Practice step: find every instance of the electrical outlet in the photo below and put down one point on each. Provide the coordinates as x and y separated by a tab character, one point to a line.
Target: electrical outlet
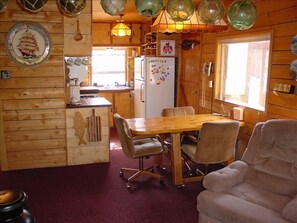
5	74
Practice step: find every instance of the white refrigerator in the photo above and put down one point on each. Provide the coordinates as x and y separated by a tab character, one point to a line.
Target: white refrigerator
154	85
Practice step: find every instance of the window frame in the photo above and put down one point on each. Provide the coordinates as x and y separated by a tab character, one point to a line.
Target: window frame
112	48
237	38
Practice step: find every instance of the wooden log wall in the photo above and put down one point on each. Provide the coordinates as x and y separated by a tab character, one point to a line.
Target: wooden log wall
32	101
278	16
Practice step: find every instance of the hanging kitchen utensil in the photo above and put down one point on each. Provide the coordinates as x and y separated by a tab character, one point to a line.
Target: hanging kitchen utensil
78	36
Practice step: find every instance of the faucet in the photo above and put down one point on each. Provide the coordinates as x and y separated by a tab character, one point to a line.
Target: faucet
116	83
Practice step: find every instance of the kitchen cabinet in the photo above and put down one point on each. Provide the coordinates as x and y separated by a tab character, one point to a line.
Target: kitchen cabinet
101	34
122	103
85	143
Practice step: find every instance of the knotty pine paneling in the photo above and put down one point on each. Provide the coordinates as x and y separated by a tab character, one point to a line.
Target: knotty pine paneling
280	17
33	125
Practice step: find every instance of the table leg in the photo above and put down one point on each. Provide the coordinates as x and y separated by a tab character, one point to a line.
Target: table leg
176	159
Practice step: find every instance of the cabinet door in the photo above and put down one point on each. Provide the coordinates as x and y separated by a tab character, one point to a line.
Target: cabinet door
122	101
101	34
136	37
109	96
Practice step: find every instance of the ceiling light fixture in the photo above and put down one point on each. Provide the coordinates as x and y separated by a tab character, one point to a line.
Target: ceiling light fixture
121	29
165	24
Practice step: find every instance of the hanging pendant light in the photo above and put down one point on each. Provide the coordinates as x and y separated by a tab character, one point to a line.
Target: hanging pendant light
113	7
32	5
121	29
211	11
149	8
180	10
165	24
72	8
242	14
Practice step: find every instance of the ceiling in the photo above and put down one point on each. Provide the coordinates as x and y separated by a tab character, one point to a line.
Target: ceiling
130	13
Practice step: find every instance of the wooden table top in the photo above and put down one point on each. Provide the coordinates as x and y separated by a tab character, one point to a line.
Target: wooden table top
172	124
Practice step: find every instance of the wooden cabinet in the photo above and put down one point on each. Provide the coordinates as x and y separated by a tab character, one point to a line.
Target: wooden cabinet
85	150
122	103
101	35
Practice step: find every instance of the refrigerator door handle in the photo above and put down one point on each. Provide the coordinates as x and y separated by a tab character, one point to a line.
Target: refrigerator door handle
141	68
142	93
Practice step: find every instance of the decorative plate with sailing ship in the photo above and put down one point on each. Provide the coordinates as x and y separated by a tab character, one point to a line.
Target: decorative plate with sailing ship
28	43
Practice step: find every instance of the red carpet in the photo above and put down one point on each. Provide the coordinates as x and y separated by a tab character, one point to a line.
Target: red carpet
95	193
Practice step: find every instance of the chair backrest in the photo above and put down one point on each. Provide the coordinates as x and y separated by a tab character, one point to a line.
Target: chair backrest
178	111
272	156
216	142
124	135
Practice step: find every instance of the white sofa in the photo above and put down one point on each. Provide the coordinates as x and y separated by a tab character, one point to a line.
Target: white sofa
262	186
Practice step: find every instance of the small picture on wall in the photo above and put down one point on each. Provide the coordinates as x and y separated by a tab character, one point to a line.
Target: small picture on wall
167	48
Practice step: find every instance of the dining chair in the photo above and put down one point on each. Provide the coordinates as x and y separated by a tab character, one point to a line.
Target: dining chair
136	147
181	111
215	144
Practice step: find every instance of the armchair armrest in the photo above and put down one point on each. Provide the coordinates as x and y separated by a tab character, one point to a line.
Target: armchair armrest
289	211
225	178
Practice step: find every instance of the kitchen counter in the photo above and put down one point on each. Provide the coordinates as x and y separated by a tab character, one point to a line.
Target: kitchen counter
91	102
97	89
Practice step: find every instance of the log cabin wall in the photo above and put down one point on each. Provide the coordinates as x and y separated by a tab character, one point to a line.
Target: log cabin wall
32	101
278	16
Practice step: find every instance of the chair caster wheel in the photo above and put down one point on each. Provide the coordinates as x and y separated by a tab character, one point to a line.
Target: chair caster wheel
161	180
128	186
121	173
181	186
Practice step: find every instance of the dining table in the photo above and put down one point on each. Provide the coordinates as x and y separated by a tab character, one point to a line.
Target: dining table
174	125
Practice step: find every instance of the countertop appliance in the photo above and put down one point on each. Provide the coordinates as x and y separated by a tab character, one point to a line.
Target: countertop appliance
77	69
154	85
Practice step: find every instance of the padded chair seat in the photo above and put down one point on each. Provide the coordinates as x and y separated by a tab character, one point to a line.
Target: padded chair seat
147	147
213	204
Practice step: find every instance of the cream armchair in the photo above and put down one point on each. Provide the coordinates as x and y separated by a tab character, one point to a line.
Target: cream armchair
260	188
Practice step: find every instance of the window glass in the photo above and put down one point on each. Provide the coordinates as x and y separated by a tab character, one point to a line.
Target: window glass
243	70
108	66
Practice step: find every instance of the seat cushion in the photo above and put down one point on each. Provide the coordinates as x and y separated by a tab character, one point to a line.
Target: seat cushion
227	208
259	196
147	147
